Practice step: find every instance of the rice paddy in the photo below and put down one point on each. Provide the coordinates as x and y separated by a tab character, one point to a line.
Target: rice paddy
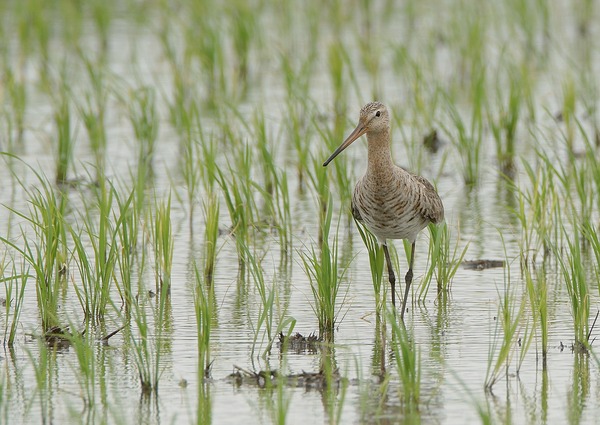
173	251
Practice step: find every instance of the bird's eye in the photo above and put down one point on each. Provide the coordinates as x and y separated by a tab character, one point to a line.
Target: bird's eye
378	114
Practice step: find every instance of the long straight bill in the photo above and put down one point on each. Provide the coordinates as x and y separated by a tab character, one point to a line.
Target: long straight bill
358	131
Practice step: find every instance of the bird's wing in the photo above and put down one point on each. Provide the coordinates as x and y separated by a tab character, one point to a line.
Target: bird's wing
431	206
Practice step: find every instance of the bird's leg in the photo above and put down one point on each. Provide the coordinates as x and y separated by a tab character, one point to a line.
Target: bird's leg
391	274
408	279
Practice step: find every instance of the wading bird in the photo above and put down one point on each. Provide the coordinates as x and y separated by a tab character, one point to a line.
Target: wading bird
390	201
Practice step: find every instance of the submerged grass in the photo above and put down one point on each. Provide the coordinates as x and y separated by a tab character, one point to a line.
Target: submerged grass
444	260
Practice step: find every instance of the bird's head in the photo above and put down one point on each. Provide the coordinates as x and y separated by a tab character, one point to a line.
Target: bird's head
374	118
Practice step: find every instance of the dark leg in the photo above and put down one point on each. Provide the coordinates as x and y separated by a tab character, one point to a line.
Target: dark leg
408	279
391	274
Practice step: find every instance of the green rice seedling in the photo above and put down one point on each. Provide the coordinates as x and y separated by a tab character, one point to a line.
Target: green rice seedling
510	312
204	306
47	254
265	307
64	139
567	114
93	121
444	259
344	187
283	214
319	182
203	41
504	124
574	273
192	174
266	158
538	210
14	286
17	93
296	82
147	346
407	357
238	194
211	234
325	280
162	237
337	60
127	221
537	291
144	121
468	142
101	13
92	110
243	17
96	266
207	161
298	131
376	261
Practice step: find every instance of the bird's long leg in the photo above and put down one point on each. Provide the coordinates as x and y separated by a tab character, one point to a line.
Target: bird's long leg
408	279
391	274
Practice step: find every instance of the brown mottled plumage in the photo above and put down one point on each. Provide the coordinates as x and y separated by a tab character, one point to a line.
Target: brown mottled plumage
391	202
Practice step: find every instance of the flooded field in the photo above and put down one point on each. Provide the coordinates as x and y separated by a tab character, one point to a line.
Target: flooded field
173	250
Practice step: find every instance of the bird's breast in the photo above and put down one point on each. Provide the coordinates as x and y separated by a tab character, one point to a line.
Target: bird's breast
389	209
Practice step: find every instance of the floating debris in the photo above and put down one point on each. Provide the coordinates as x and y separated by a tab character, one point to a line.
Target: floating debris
308	380
482	264
432	141
300	343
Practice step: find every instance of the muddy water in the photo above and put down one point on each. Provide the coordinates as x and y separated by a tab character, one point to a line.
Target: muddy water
455	336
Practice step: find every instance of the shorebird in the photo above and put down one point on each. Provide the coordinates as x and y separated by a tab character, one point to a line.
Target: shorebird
390	201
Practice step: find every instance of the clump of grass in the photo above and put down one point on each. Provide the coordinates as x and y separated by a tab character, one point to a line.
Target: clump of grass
92	110
376	261
507	321
162	236
147	346
325	280
17	93
238	194
144	121
244	29
504	125
538	210
205	311
444	260
468	140
573	271
64	139
126	237
96	270
298	130
537	290
211	233
47	255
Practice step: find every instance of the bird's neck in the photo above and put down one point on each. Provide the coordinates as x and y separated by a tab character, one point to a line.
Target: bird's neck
380	156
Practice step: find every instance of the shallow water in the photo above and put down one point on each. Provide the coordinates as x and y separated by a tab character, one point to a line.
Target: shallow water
455	337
